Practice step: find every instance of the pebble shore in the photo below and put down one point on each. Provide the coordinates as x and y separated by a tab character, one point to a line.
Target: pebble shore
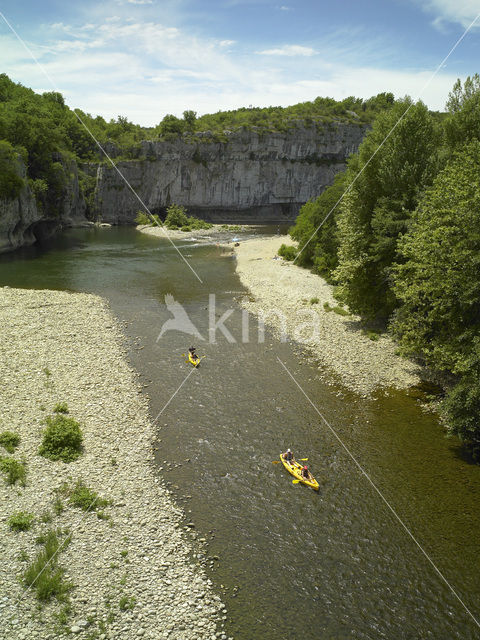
337	342
65	347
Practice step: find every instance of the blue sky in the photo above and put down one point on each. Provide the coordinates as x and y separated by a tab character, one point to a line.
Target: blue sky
146	58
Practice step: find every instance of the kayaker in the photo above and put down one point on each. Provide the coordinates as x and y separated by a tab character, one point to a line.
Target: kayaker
288	455
192	353
305	472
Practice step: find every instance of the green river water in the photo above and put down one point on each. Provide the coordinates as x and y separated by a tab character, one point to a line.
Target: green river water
292	563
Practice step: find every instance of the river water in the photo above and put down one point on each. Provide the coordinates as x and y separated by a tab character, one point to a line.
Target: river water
292	563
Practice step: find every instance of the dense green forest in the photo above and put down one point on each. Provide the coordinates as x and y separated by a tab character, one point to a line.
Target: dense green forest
398	233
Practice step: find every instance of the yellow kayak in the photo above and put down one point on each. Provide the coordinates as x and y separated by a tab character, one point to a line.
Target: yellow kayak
194	361
295	468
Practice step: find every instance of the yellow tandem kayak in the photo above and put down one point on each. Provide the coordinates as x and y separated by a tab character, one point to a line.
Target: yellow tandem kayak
295	468
194	361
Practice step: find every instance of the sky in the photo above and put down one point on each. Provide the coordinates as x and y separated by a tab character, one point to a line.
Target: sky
145	58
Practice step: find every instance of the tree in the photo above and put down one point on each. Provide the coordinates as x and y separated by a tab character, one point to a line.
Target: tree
438	282
190	118
395	162
11	182
315	228
463	103
171	125
438	285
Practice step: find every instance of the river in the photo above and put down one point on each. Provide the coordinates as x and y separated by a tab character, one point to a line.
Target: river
292	563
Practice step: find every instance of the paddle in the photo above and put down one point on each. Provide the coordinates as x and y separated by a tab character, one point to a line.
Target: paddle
278	461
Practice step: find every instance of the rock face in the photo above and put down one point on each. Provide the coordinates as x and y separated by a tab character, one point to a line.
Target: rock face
248	178
22	220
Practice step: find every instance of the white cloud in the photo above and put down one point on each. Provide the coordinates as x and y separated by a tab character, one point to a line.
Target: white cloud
288	50
454	11
146	69
284	8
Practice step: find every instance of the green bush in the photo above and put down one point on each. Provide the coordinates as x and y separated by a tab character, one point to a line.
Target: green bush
21	521
85	498
44	574
61	407
176	217
314	300
287	252
9	440
143	218
62	439
14	470
186	228
462	410
196	224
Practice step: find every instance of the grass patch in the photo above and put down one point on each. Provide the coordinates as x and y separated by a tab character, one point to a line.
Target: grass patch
14	470
314	300
371	334
61	407
46	517
9	440
58	506
44	574
62	439
84	498
338	310
21	521
126	603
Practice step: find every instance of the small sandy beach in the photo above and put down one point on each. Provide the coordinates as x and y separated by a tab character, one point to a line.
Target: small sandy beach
337	343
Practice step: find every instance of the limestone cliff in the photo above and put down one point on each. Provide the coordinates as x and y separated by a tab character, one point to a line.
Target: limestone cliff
23	220
249	177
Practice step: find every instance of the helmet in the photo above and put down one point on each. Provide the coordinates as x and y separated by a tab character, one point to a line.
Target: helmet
288	451
305	466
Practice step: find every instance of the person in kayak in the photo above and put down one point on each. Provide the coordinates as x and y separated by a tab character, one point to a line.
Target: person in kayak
288	456
191	351
305	472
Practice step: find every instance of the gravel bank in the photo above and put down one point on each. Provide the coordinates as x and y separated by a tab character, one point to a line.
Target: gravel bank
63	347
217	232
336	341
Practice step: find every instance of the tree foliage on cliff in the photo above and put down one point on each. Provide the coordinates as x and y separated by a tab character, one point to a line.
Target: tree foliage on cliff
10	182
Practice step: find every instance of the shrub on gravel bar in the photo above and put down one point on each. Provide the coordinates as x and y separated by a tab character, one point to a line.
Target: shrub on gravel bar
62	439
9	440
21	521
85	498
14	470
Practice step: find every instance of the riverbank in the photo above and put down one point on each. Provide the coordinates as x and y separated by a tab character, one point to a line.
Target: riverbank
304	301
130	562
218	232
